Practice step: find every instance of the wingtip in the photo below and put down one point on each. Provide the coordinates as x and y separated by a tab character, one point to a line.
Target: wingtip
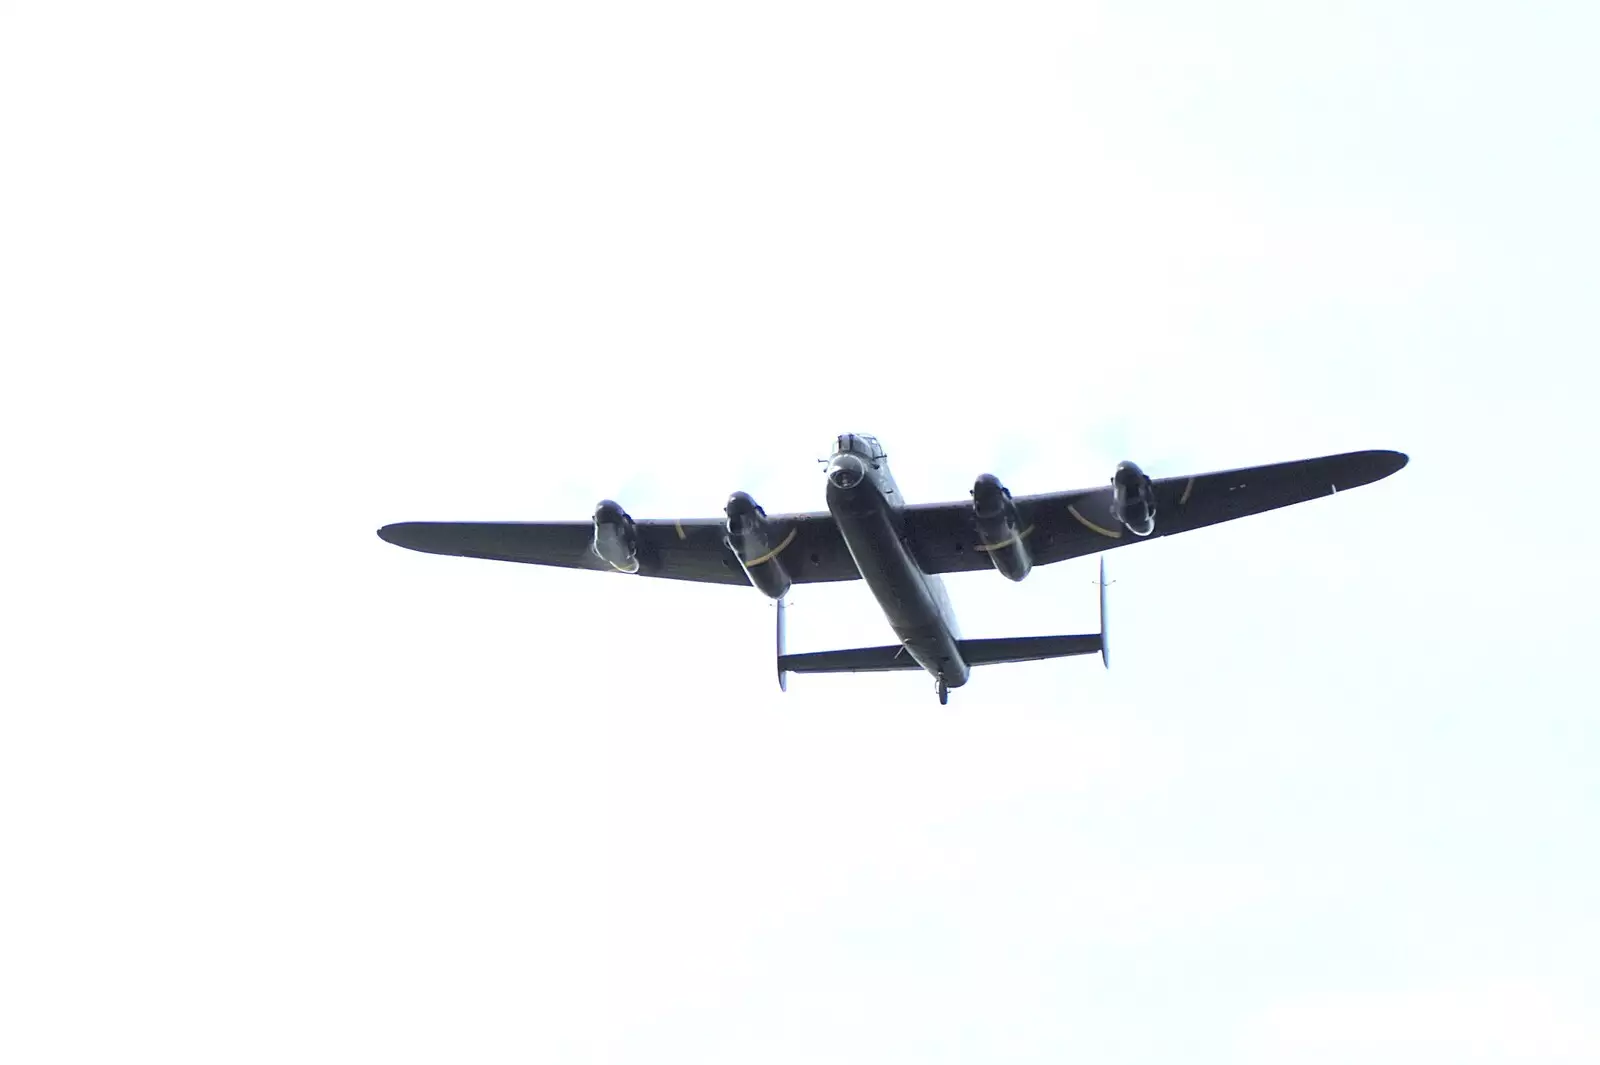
1364	467
1393	463
401	534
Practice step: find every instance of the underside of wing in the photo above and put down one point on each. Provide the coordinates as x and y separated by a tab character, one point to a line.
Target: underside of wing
1062	525
810	548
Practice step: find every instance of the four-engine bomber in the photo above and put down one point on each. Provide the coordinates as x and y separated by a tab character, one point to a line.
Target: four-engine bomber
870	533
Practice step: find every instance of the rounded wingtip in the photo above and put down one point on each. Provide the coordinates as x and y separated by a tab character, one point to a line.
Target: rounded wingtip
1357	468
1390	463
403	534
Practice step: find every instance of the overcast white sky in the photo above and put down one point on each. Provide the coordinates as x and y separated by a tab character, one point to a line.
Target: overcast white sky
274	275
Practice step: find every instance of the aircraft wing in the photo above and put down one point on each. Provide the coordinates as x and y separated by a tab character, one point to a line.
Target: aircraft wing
1063	525
943	536
686	550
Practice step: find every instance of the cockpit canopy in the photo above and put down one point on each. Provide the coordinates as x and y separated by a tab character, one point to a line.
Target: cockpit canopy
859	444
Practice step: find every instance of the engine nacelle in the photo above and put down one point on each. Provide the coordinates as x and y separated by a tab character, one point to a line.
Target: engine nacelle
1000	531
616	540
754	542
1133	499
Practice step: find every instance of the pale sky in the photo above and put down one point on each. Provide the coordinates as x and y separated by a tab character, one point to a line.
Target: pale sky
272	276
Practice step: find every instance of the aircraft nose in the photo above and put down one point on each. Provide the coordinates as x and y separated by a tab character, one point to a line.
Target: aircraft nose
846	471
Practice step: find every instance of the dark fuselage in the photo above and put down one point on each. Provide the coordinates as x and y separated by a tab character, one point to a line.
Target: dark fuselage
867	507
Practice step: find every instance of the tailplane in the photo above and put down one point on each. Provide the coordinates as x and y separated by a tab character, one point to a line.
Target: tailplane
1028	648
849	660
976	652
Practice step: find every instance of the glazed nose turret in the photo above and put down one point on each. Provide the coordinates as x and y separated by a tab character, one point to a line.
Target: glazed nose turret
846	471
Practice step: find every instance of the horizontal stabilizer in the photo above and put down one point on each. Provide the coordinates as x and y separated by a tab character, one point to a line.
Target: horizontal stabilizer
976	652
1027	648
850	660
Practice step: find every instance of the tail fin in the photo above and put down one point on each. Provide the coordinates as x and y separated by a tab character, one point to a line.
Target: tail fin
783	674
1105	639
